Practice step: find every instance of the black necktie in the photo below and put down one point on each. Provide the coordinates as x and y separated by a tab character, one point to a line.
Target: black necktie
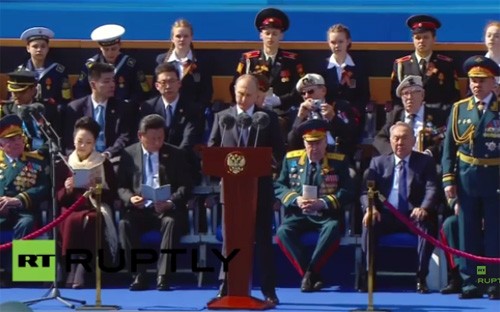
423	66
312	174
402	188
480	108
411	121
270	62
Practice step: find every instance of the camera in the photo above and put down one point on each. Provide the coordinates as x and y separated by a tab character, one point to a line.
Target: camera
315	109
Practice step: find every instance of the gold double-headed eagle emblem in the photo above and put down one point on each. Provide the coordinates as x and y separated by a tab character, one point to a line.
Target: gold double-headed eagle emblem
235	162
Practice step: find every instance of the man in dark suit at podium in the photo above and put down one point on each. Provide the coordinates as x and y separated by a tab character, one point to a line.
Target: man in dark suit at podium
246	89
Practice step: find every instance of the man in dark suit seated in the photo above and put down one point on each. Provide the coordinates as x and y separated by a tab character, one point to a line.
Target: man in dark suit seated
111	114
408	180
153	162
326	175
246	89
427	123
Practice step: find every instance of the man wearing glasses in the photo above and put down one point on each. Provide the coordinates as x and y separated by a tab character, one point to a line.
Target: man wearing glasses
427	123
339	116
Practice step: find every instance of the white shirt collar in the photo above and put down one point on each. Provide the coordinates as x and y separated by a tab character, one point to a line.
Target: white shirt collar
347	62
406	159
145	152
172	104
486	100
419	115
248	111
427	58
173	57
95	103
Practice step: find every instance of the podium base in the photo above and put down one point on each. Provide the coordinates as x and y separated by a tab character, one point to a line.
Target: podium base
99	307
239	303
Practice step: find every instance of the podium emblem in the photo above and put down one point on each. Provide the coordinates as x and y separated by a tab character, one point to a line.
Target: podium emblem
235	162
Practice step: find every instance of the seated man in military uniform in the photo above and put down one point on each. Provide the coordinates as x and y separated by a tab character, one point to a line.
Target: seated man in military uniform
24	180
314	186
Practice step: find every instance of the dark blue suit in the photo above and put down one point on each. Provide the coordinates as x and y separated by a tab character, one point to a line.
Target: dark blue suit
422	192
117	123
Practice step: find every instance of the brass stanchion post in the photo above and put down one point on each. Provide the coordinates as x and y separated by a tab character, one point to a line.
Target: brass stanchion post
98	239
371	248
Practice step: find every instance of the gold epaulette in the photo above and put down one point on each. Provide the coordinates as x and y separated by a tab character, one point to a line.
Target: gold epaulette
403	59
251	54
290	55
335	156
33	154
295	153
444	58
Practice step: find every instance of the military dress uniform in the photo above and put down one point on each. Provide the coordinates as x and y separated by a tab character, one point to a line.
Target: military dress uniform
131	83
25	178
471	160
438	75
334	189
53	82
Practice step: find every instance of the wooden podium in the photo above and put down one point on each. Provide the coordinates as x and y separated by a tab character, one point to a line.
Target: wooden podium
239	168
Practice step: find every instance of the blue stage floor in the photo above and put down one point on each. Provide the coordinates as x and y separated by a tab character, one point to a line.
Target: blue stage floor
330	299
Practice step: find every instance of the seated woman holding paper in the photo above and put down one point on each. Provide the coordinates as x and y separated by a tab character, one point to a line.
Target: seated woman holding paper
78	229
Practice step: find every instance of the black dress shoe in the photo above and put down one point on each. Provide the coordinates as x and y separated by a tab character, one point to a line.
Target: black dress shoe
139	283
270	296
422	286
452	288
307	285
161	283
222	290
493	293
471	293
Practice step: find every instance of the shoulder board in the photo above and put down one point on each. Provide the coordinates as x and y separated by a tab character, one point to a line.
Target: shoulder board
444	58
335	156
33	154
252	54
60	68
289	55
295	153
403	59
463	101
131	62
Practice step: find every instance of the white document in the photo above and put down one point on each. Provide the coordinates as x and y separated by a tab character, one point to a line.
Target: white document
309	191
161	193
85	178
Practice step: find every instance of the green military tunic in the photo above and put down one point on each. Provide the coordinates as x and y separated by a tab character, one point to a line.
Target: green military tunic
334	189
26	179
471	160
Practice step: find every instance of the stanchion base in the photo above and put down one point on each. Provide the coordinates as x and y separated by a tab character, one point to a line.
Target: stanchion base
239	303
54	293
368	309
99	307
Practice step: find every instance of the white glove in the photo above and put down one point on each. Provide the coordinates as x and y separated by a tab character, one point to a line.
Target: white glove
271	101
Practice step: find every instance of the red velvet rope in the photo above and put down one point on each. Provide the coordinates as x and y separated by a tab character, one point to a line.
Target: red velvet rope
436	242
80	201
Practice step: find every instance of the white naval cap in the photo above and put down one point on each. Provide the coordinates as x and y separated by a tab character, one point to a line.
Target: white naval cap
310	80
107	35
37	33
409	81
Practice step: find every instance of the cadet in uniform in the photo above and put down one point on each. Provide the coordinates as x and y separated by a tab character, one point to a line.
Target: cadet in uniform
437	71
471	160
24	180
282	68
53	83
320	210
131	83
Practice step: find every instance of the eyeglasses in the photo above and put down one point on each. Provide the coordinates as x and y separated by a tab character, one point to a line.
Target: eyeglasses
167	82
308	92
410	92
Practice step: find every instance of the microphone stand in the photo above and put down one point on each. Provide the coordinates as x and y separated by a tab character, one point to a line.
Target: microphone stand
54	150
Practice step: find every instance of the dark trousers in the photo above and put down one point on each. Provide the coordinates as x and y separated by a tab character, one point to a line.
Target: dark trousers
136	222
294	226
389	225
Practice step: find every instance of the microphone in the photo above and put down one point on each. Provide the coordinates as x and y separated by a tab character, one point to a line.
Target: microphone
260	120
243	121
226	123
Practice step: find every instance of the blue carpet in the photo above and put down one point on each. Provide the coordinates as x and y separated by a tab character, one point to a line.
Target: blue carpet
330	299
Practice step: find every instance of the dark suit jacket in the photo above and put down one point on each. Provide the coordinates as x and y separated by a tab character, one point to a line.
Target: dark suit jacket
422	180
117	125
438	116
185	130
173	168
